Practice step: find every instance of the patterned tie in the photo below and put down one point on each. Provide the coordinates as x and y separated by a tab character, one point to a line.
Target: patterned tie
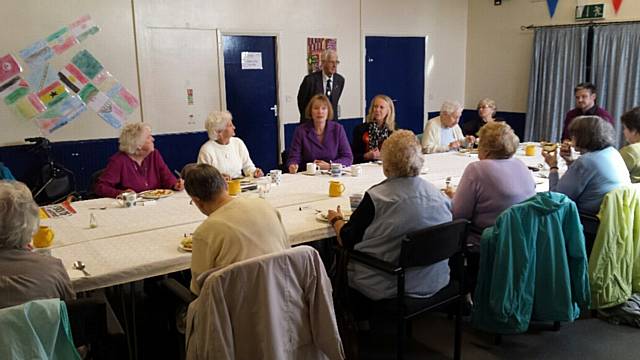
328	91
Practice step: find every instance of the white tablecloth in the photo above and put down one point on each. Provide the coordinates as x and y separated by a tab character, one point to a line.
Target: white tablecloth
130	244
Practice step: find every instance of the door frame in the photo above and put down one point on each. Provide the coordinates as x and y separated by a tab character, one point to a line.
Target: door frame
279	95
426	96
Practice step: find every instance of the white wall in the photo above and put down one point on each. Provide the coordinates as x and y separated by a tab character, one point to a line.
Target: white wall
499	53
25	22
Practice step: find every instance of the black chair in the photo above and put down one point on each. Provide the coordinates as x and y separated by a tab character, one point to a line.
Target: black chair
423	248
590	224
91	191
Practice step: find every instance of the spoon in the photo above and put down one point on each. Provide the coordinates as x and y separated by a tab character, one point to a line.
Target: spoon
79	265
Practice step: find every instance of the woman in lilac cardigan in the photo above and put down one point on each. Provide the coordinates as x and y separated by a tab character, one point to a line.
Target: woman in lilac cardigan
318	139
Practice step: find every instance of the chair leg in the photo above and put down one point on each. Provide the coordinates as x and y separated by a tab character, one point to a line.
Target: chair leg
458	330
400	339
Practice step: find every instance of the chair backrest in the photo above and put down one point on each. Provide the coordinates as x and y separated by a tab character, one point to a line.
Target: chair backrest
433	244
94	180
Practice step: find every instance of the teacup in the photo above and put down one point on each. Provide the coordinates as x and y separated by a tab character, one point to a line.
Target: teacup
276	176
312	168
356	170
530	150
264	185
233	187
336	188
43	237
336	169
127	199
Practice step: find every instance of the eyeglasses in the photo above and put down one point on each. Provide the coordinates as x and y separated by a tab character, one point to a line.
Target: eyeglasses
337	62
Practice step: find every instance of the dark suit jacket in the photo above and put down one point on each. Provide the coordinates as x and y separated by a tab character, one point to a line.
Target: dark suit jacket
312	85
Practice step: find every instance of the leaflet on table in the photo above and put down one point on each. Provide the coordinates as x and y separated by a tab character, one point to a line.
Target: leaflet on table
56	210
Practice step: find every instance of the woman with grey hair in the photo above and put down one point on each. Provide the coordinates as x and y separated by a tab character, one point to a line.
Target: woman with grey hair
138	166
402	203
25	275
224	151
598	170
442	133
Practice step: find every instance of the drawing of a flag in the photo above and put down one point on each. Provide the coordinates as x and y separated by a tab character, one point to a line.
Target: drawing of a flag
9	68
29	106
71	76
61	40
17	90
83	28
53	94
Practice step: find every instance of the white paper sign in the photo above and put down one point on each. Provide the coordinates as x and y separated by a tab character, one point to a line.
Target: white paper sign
251	60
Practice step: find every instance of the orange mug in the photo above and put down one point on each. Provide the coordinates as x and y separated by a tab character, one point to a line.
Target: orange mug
530	150
336	188
43	237
233	187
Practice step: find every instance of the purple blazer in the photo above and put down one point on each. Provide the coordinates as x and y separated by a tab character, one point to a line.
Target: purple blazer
305	146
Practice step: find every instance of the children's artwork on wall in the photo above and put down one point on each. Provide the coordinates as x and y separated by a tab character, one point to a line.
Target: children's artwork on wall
87	64
38	52
9	68
112	114
29	106
53	94
315	47
83	28
61	114
17	88
61	40
71	76
40	75
123	98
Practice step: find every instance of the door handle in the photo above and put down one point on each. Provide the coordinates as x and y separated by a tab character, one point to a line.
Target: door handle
274	108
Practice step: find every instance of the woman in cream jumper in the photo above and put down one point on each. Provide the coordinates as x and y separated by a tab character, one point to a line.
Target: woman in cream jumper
224	151
443	133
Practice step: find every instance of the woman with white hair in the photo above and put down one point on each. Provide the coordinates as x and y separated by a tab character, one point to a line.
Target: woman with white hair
138	166
402	203
25	275
224	151
443	133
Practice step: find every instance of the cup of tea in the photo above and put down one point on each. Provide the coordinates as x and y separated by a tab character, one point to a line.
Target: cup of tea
43	237
264	185
354	200
312	168
233	187
356	170
336	188
127	199
336	169
276	176
530	150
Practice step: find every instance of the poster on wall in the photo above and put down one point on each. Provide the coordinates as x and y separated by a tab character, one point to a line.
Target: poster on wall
315	47
62	113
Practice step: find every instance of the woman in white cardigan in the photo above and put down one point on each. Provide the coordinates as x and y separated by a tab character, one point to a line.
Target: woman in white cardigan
443	133
224	151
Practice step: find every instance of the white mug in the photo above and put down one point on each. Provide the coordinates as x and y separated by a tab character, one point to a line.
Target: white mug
336	169
276	176
312	168
356	170
127	198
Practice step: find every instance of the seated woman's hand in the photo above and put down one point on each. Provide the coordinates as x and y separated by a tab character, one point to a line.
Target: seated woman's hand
332	214
454	145
565	152
293	168
258	173
323	165
226	177
470	139
373	154
179	186
450	191
550	158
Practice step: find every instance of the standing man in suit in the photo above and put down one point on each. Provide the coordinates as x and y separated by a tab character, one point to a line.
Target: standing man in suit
326	82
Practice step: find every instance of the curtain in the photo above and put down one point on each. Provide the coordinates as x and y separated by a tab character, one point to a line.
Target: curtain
558	64
616	69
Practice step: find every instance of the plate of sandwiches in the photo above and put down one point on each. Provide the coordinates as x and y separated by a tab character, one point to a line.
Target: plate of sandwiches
322	216
548	146
186	243
156	194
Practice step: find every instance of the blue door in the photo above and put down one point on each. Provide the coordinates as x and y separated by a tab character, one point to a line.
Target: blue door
395	67
251	95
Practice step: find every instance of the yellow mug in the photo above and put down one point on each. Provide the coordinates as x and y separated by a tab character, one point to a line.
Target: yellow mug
233	187
336	188
43	237
530	150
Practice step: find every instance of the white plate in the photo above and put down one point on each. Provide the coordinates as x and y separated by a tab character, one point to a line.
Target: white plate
323	216
156	194
181	247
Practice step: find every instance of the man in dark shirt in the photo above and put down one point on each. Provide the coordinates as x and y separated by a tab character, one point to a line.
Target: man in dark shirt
326	81
585	105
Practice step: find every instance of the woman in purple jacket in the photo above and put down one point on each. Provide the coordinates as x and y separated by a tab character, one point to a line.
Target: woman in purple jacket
138	166
318	139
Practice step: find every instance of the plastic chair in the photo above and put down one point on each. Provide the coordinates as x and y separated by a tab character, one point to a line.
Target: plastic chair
423	248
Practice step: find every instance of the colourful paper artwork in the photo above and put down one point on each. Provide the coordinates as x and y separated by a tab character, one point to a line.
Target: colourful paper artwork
38	52
87	95
105	81
29	106
83	28
315	47
61	114
15	91
9	68
61	40
71	76
125	100
112	114
40	75
53	94
87	63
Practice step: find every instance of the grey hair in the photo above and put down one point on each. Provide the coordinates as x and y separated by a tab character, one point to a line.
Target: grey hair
204	182
591	133
216	122
328	52
402	155
450	107
131	138
18	215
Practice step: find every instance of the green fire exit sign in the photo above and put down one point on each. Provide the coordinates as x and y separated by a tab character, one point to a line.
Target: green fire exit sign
590	12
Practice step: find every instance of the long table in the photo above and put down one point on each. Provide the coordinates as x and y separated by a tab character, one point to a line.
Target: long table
131	244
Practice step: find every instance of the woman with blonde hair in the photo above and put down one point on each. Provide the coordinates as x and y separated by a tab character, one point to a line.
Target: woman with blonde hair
224	150
378	126
138	166
486	114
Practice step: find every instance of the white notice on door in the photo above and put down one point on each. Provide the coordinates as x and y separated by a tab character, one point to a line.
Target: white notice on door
251	60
